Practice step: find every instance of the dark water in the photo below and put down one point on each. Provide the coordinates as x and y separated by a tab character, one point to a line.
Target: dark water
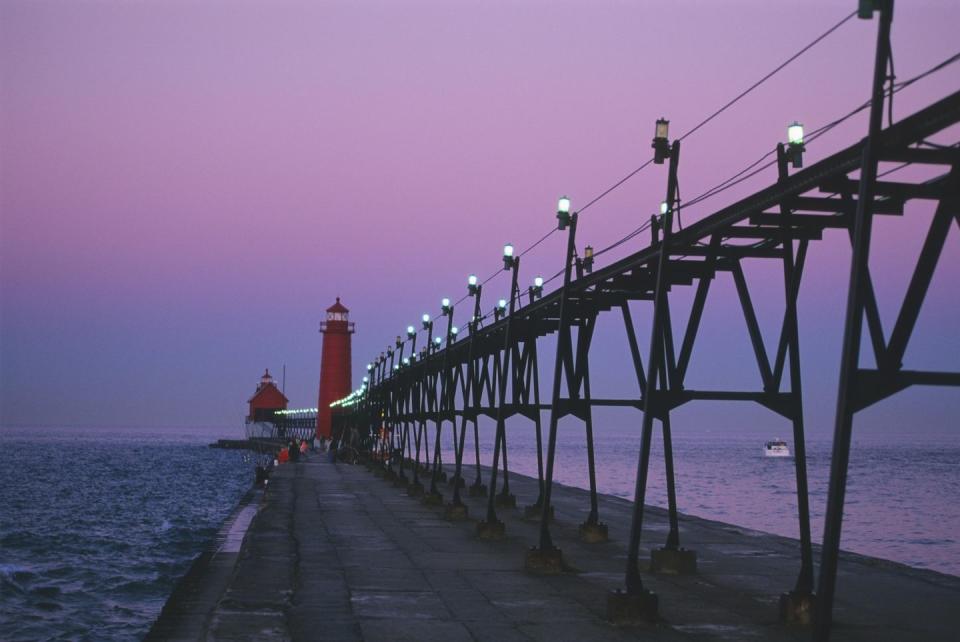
97	526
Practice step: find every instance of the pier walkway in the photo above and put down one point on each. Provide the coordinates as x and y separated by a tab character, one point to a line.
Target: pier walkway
337	553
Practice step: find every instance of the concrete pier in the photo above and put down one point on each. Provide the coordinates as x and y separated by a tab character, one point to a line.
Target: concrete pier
336	553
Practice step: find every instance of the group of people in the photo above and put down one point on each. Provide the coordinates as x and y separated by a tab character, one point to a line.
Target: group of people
293	451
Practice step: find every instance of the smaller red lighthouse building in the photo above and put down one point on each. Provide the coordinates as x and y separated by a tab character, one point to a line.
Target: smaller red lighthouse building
266	400
334	363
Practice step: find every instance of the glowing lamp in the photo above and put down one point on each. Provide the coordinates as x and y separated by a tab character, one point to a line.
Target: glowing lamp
426	321
472	284
795	133
411	332
664	208
536	290
508	258
795	146
563	212
454	330
445	306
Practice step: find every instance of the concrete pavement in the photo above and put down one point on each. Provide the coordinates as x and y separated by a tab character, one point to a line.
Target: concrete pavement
337	553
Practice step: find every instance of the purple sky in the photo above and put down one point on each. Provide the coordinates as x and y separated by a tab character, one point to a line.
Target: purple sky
186	186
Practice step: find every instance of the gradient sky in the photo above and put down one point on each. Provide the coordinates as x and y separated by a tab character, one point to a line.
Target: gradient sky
186	186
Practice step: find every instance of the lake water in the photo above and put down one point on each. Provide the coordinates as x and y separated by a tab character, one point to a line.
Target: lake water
98	525
901	503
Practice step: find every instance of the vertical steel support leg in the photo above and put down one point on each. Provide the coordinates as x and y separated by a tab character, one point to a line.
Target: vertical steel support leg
435	468
791	287
563	349
478	482
668	379
655	383
673	538
500	441
537	421
853	330
458	473
633	581
594	515
421	427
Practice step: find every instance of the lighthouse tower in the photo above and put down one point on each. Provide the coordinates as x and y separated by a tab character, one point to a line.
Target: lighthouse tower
335	380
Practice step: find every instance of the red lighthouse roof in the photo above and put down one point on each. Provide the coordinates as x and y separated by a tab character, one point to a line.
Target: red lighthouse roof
338	307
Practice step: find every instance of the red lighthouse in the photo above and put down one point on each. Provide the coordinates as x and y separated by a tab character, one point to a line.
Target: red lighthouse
334	363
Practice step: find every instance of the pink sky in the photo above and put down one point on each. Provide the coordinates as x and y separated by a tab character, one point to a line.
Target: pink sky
186	186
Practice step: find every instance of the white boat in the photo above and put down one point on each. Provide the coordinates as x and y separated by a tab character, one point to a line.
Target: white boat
776	448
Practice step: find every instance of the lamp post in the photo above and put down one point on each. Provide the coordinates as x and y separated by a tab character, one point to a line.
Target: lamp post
536	290
412	337
563	213
509	260
493	527
588	259
475	289
546	549
795	146
500	310
400	344
661	145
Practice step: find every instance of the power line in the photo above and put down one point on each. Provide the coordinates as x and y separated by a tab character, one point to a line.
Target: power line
746	173
742	175
771	74
729	104
719	111
739	176
616	185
